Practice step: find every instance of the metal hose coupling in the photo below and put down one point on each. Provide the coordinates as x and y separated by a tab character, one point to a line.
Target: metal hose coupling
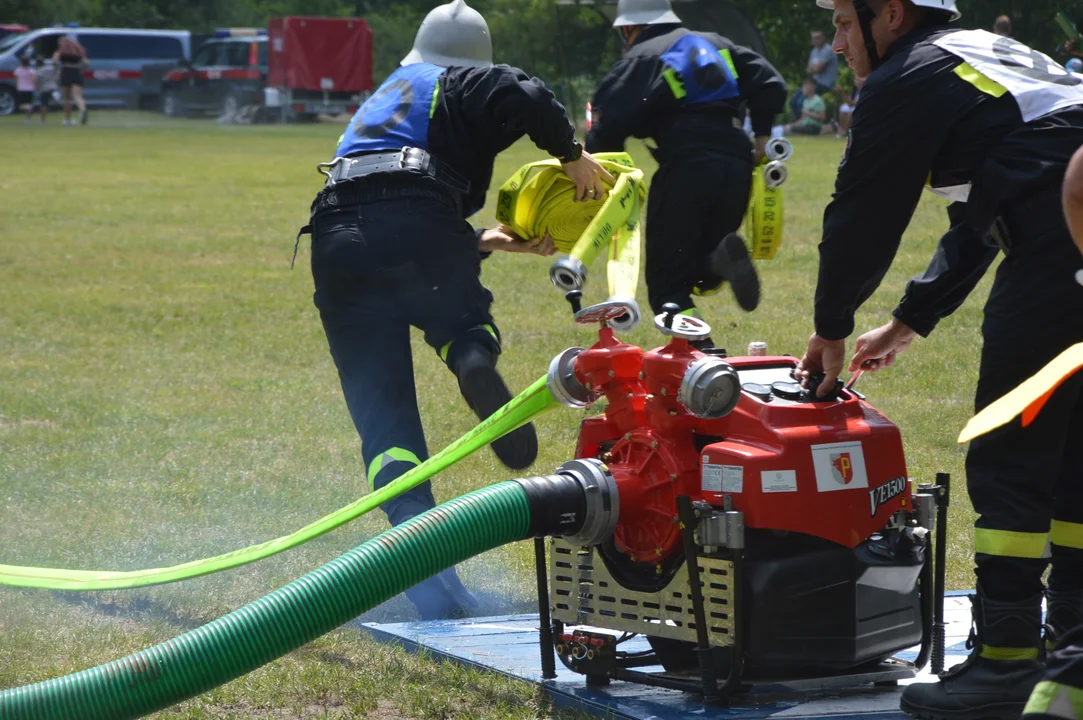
775	174
710	389
563	383
780	149
568	273
629	321
579	503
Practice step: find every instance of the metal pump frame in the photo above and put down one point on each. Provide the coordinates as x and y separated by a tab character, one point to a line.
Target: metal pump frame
932	503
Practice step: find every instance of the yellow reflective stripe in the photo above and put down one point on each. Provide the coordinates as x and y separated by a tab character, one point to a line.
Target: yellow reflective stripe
435	94
487	327
729	62
674	83
1056	700
697	291
1066	534
394	455
693	312
1008	543
986	84
999	653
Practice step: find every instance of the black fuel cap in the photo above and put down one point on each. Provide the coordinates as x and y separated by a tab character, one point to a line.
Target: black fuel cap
757	390
788	390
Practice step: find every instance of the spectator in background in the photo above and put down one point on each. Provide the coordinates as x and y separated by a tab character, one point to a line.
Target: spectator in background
823	70
813	112
849	102
1071	48
1074	65
45	86
24	86
1003	26
72	59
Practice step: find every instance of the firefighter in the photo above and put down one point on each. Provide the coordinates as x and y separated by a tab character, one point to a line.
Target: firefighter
1059	696
391	248
1073	199
991	124
684	90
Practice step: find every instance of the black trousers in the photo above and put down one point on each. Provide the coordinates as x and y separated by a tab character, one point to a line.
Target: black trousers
1026	483
694	202
386	256
1060	694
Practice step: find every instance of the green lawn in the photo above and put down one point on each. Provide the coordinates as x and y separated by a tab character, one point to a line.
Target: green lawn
167	395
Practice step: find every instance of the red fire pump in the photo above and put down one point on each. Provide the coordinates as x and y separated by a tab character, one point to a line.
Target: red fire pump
762	534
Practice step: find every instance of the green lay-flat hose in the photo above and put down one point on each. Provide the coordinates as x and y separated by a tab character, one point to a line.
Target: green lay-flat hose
286	619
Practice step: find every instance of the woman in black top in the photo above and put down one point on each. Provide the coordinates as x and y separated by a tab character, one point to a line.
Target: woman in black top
71	58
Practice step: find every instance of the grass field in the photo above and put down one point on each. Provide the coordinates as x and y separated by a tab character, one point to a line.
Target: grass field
167	395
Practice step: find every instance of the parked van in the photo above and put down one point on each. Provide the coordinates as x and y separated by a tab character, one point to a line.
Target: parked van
226	74
116	57
11	29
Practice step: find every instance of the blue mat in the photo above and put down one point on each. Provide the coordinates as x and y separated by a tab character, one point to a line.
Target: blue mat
509	645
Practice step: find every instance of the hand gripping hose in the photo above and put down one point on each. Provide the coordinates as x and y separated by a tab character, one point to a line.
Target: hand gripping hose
579	501
539	198
528	404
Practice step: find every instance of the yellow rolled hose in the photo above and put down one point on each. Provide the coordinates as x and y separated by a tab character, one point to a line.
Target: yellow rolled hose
763	222
539	198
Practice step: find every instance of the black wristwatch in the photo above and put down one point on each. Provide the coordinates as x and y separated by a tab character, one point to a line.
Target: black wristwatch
575	154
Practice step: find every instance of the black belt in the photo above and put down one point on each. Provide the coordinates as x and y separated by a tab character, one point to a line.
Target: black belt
408	159
343	188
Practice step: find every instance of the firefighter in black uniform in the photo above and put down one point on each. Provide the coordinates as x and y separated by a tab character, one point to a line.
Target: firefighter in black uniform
684	90
992	124
1059	696
391	248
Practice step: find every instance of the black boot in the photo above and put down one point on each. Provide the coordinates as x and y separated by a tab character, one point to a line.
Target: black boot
1063	612
996	680
485	393
731	262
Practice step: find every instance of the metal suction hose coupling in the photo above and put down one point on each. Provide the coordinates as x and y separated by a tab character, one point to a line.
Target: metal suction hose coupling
579	503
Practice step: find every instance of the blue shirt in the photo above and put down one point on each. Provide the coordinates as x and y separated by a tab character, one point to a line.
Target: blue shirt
826	77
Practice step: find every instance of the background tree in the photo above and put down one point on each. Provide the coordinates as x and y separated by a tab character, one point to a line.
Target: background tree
568	43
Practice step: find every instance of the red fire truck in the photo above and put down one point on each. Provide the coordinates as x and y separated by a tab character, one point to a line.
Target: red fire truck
296	69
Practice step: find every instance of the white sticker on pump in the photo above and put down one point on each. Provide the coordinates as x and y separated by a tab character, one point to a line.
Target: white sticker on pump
839	466
733	478
777	481
712	478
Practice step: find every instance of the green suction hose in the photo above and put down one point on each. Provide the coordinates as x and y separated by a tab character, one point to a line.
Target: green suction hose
580	500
